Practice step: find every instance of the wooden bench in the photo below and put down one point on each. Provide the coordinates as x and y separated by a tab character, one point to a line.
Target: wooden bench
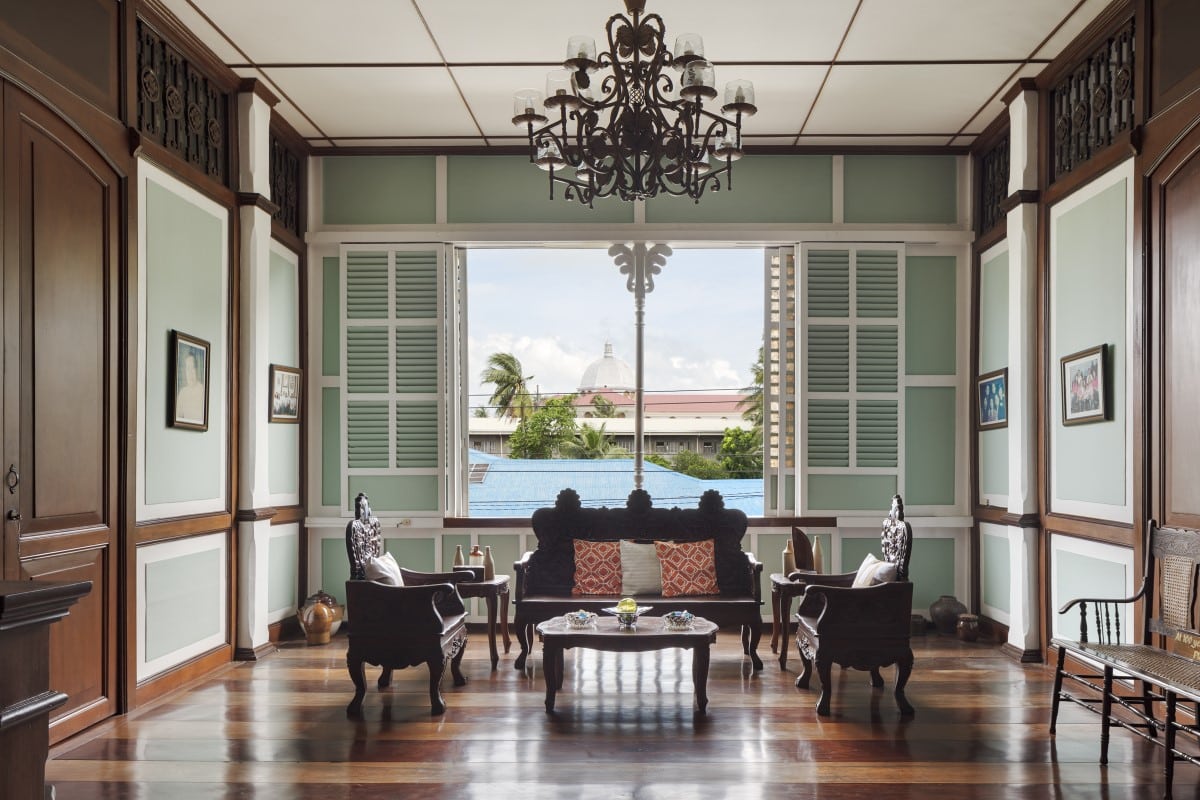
1166	663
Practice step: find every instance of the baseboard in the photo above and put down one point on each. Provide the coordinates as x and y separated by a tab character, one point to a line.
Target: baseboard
254	653
286	628
1023	656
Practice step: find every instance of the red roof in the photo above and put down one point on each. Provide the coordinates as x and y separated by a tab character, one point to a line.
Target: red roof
672	402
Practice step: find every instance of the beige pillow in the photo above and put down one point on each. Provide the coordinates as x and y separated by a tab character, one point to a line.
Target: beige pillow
873	571
383	569
641	572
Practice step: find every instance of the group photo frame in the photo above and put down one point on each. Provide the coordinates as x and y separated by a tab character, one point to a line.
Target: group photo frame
1084	380
187	392
285	394
991	398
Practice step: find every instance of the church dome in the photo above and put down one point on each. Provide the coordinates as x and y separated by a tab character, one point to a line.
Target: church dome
608	372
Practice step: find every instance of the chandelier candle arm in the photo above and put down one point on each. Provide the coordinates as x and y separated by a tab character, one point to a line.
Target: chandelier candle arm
634	131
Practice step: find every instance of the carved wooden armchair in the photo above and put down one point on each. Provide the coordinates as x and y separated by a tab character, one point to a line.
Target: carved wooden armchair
422	621
865	626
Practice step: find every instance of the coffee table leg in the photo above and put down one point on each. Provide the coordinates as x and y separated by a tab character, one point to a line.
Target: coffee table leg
491	607
550	663
504	619
700	675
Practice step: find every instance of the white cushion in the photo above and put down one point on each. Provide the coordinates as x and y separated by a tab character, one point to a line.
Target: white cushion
873	571
641	571
383	569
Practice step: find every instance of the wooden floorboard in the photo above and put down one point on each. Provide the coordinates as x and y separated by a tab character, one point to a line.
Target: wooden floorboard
624	727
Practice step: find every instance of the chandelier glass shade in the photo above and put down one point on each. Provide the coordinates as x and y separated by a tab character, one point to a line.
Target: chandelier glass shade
634	121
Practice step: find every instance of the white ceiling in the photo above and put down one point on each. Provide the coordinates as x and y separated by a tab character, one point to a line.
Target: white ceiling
829	73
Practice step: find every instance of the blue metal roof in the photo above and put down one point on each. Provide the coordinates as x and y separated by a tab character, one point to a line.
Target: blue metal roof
516	487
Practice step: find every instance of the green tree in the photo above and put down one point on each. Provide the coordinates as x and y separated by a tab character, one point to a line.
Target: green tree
741	453
511	395
603	407
655	458
752	403
479	413
692	463
544	432
592	442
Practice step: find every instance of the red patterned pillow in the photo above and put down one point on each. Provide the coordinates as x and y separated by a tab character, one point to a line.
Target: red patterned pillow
597	568
687	568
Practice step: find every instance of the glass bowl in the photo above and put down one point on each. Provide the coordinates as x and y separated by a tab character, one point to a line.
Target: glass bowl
580	619
679	620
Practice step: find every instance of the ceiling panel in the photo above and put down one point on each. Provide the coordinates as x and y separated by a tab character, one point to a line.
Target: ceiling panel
319	31
996	107
197	24
930	99
463	142
874	141
934	30
284	107
752	30
377	101
1073	27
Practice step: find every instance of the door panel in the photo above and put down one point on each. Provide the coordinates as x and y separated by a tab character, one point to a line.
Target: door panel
60	246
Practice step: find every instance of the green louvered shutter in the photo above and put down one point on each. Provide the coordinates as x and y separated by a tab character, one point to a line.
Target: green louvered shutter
416	360
366	285
829	433
416	285
828	358
366	434
875	357
828	283
876	283
366	360
876	433
416	435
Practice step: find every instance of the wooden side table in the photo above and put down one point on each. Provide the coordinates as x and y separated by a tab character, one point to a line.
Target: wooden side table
783	591
494	592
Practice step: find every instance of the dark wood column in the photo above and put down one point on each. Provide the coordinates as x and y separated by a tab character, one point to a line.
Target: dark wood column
27	609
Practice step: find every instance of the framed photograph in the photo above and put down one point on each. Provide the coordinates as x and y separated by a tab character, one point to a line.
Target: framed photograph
187	392
991	398
285	394
1084	386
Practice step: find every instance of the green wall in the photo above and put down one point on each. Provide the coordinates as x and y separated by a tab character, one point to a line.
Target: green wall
765	189
378	190
484	189
335	567
930	315
185	253
901	189
850	492
331	316
183	601
1088	271
997	571
331	444
283	570
416	554
283	348
929	463
993	314
395	492
931	568
993	462
1084	576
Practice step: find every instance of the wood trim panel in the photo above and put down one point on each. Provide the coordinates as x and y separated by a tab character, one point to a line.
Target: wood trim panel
1001	516
989	240
178	168
167	25
257	200
787	522
1026	84
1099	29
203	666
1095	530
1124	146
288	515
1019	197
181	528
255	514
750	148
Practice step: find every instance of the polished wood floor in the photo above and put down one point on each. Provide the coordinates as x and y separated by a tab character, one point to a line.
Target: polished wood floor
624	728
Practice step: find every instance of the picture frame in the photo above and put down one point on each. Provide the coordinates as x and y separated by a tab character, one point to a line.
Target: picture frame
991	400
188	376
285	399
1084	383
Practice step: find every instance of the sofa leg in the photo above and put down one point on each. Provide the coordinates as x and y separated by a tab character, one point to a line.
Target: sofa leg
755	637
355	666
876	678
823	672
385	678
456	662
805	670
903	671
523	640
437	666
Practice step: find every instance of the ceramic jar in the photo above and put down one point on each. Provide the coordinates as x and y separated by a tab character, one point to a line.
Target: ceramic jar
944	612
968	627
320	617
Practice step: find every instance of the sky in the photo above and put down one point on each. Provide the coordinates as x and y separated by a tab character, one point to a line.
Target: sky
555	308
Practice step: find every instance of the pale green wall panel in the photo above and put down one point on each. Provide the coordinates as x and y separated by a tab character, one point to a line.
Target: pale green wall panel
185	250
789	493
1089	309
396	492
416	554
379	190
993	462
771	491
993	314
335	567
930	322
283	347
931	568
901	189
449	541
506	548
765	189
1084	576
769	551
929	465
851	492
283	569
331	316
183	601
510	189
997	571
331	446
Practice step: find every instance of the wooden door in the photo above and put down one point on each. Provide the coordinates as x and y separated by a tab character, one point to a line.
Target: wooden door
61	241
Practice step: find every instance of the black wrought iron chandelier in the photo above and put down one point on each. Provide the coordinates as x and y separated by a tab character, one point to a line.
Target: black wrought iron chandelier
633	133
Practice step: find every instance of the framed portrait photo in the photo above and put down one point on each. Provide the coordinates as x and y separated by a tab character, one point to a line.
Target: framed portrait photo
285	394
1084	386
187	392
991	398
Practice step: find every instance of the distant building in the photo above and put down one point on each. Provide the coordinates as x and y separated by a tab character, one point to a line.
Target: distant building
673	421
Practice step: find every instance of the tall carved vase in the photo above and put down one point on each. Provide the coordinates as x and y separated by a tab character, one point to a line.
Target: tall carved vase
944	612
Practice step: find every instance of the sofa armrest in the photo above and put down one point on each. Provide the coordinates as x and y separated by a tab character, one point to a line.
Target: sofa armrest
755	566
415	578
378	609
520	572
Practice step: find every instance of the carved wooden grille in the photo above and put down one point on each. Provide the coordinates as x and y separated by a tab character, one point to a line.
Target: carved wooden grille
993	168
179	107
1093	103
285	185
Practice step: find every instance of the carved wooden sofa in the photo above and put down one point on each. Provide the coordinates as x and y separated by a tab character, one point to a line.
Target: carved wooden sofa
861	626
545	576
1165	662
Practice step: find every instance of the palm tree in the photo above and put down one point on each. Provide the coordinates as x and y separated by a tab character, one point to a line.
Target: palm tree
752	403
511	396
592	442
603	407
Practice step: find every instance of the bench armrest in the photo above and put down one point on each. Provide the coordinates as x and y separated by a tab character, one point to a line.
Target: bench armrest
1095	600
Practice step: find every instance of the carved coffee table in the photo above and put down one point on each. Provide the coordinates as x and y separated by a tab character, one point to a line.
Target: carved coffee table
651	633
